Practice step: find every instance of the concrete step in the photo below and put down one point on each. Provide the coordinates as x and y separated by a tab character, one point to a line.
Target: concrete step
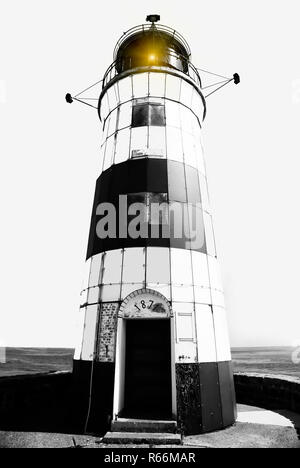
149	438
143	425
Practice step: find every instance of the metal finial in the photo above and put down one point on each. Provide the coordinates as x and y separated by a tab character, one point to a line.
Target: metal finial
153	18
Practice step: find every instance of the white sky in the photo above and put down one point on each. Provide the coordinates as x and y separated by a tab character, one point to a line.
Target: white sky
50	156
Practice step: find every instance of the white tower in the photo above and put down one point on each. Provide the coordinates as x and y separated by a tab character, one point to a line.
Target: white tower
153	340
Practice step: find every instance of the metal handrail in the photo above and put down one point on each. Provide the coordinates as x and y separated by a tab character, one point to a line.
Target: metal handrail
148	27
191	71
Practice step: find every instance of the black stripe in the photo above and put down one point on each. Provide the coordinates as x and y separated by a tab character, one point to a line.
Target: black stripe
179	181
100	399
205	395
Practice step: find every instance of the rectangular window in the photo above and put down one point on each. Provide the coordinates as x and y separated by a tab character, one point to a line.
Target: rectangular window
140	115
157	115
158	208
148	114
155	206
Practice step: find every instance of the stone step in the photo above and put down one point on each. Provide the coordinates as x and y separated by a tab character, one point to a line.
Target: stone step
149	438
143	425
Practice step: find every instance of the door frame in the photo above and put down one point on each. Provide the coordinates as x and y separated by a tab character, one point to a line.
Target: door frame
119	381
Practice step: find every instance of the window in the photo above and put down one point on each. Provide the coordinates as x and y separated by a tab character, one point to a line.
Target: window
148	216
148	114
155	206
157	115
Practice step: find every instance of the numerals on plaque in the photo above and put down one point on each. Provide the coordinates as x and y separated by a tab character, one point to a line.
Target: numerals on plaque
144	305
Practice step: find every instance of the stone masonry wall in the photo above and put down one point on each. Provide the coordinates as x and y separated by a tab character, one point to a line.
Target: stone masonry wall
108	330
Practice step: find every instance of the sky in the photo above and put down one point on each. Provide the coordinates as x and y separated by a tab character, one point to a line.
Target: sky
50	157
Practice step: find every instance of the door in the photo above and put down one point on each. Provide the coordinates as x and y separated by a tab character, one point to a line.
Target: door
148	369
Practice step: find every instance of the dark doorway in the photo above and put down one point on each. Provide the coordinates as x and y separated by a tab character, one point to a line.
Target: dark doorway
148	392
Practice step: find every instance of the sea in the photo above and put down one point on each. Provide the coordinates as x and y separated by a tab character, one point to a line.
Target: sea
262	360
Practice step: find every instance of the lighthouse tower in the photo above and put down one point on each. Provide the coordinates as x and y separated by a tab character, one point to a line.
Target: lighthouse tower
153	338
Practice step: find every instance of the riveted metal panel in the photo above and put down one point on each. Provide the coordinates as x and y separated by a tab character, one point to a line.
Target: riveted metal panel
227	393
210	397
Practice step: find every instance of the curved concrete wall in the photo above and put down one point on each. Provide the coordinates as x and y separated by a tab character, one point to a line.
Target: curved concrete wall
268	391
46	402
38	402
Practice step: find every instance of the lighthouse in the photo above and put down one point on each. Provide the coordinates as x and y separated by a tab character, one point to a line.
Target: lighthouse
153	341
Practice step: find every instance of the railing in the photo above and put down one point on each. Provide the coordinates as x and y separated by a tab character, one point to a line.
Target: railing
170	60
